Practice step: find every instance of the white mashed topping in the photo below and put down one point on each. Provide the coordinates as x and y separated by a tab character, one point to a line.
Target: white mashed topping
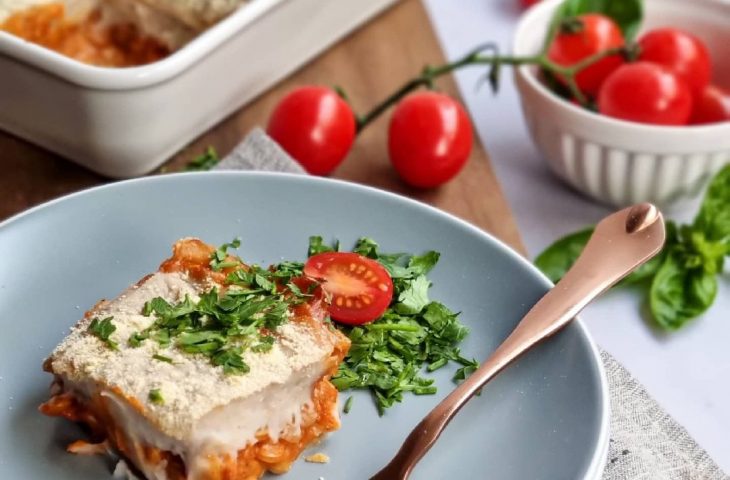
204	410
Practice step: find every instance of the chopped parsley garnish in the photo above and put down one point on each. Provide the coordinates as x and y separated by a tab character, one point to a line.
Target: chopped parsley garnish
162	358
218	258
156	397
317	245
102	329
389	357
136	339
266	343
348	405
203	162
415	334
223	327
231	361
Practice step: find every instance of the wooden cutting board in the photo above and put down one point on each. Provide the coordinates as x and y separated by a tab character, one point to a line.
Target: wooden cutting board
369	64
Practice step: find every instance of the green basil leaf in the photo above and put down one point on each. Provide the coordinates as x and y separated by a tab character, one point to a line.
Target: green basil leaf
708	254
679	294
650	268
627	14
714	216
646	271
560	256
702	290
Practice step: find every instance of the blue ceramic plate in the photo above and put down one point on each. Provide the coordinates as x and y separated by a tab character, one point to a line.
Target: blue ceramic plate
546	417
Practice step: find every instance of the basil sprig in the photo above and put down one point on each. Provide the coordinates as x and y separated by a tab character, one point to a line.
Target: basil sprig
627	14
682	279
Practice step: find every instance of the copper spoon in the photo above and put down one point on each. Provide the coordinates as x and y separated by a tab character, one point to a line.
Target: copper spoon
621	242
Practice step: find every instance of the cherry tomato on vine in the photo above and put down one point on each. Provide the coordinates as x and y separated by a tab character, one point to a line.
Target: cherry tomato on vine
681	53
711	106
315	126
585	36
429	139
360	288
647	93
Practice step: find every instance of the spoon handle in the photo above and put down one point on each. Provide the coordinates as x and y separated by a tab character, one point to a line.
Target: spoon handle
621	242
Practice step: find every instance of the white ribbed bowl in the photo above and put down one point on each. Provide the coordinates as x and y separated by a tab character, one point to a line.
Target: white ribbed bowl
618	162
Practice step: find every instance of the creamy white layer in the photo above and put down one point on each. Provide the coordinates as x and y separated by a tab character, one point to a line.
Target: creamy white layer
277	411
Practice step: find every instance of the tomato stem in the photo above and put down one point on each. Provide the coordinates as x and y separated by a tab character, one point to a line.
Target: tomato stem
477	57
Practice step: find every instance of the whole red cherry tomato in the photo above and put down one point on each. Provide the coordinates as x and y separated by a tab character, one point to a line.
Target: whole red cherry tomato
647	93
429	139
585	36
711	106
315	126
360	288
681	53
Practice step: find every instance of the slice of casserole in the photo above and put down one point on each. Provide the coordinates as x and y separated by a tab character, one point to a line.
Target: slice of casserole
207	369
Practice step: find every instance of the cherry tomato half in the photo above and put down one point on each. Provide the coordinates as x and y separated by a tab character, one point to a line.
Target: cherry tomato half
429	139
591	33
647	93
315	126
681	53
360	288
711	106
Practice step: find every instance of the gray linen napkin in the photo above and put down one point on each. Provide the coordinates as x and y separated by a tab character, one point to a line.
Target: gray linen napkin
646	443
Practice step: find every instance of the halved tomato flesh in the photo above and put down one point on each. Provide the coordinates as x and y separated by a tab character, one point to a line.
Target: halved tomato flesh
360	288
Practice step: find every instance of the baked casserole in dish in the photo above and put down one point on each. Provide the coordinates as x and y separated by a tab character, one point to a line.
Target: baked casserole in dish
119	86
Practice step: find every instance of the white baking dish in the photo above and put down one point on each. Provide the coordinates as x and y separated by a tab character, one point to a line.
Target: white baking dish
125	122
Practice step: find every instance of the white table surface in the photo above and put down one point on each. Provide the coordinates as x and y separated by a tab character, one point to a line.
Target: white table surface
688	372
